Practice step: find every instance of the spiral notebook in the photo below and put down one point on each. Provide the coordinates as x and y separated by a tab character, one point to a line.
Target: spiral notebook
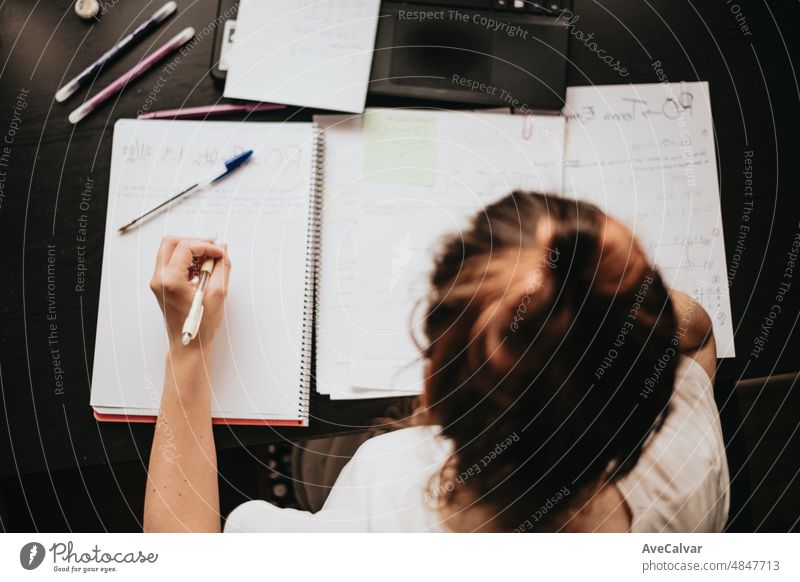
260	371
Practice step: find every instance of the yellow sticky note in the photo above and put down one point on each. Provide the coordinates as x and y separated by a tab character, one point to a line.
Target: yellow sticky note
400	148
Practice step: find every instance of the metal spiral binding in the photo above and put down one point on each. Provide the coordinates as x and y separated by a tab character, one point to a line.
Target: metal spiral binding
311	293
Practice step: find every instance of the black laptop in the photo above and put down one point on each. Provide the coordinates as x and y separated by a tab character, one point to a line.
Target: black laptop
491	52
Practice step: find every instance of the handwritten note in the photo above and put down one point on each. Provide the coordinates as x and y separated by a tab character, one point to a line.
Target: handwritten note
261	211
314	53
645	153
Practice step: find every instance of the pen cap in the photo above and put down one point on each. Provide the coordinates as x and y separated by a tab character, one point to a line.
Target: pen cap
166	10
234	163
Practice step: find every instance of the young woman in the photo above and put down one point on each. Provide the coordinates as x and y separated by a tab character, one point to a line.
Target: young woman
566	389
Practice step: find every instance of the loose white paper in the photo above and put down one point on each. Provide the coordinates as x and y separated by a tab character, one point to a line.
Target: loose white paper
311	53
645	154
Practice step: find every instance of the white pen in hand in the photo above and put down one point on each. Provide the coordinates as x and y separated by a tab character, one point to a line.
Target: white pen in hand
192	324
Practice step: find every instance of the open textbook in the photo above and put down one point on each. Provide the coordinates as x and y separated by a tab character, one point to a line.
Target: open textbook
332	228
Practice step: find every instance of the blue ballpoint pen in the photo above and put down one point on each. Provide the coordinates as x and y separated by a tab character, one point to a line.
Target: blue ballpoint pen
230	166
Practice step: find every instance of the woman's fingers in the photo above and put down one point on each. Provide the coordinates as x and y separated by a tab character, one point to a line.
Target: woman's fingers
165	249
168	246
218	283
176	256
183	257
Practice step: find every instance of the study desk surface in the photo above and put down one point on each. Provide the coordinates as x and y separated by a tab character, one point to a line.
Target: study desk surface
55	179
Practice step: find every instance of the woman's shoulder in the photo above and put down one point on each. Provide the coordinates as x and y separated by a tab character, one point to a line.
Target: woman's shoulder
382	488
402	450
680	482
404	439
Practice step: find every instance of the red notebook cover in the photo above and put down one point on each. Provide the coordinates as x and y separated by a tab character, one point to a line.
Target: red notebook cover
232	421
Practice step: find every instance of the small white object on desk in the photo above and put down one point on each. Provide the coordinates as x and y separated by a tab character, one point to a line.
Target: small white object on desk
87	9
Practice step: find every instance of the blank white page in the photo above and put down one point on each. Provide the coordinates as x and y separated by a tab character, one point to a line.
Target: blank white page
312	53
261	210
645	154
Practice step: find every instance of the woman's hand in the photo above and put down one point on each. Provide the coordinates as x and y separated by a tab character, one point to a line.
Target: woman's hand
176	265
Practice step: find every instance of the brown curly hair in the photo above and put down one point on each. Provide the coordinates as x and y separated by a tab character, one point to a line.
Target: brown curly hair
544	323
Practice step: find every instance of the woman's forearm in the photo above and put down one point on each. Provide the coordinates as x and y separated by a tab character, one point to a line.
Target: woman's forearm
182	489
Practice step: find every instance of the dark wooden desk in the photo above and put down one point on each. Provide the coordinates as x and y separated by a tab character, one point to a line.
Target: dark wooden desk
49	165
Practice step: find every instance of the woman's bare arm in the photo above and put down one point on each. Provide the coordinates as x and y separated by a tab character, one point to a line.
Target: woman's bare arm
697	332
182	491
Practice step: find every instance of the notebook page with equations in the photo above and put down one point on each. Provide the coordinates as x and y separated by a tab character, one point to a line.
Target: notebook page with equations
312	53
646	154
395	182
261	354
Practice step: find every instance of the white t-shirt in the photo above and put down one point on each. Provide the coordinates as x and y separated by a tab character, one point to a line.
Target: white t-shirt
679	484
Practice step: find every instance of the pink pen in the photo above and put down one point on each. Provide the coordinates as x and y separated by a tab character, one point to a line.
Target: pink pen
181	38
210	110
